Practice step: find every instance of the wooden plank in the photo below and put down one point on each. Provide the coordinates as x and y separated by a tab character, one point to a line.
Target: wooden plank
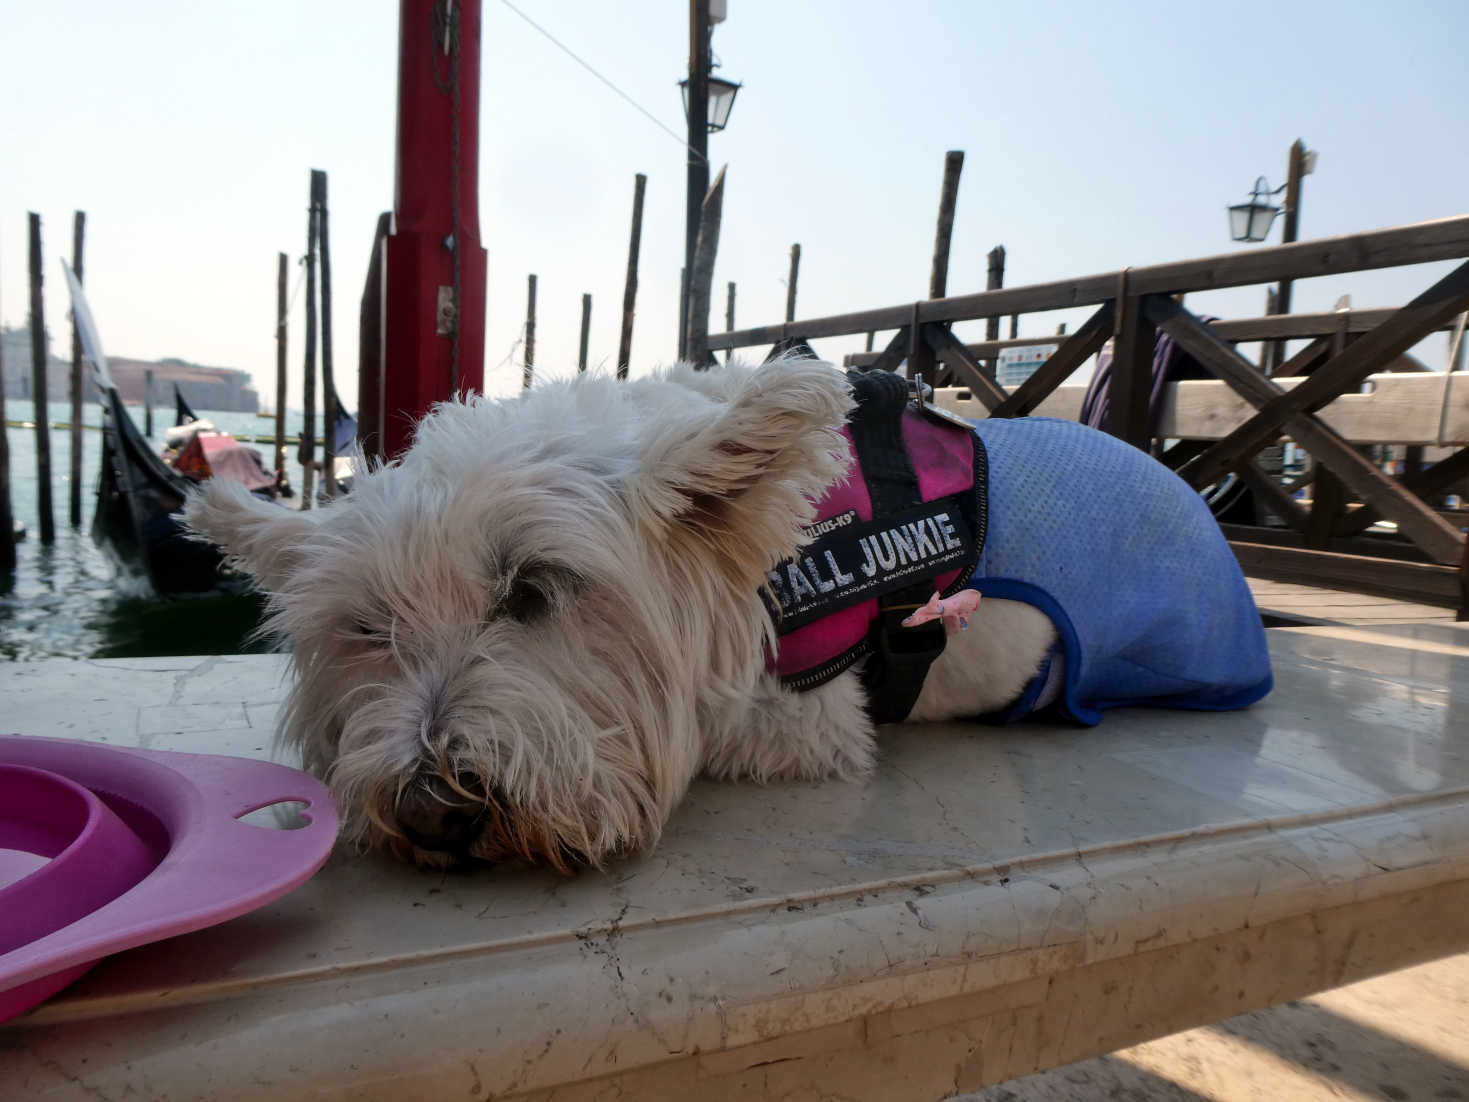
1328	503
1304	361
1285	604
891	356
1277	500
1399	409
952	352
1407	327
1287	327
1419	523
1430	480
1423	582
1074	351
1443	239
1301	326
1378	547
1132	371
921	362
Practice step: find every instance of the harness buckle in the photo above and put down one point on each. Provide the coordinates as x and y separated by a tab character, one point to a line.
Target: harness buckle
916	646
899	662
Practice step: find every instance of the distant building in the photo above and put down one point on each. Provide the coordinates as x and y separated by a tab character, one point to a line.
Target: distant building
15	347
225	389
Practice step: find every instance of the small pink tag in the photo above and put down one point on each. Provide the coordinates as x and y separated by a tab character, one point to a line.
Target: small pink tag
954	611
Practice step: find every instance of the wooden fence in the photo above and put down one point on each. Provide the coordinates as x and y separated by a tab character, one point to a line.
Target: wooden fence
1134	305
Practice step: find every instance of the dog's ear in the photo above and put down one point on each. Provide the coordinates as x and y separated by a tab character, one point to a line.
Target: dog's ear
741	480
262	538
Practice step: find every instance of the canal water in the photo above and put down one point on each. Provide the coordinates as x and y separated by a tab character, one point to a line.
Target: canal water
68	600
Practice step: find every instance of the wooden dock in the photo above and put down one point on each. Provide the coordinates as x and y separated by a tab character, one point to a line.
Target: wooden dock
1285	603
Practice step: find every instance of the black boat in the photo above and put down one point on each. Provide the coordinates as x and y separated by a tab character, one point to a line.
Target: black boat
138	498
139	495
184	413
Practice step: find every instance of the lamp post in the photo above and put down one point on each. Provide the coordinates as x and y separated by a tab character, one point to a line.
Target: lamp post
1251	221
707	101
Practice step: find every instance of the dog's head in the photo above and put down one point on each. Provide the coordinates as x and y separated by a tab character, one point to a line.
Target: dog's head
502	644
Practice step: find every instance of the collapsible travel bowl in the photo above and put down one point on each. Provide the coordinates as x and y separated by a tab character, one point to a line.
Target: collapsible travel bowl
105	848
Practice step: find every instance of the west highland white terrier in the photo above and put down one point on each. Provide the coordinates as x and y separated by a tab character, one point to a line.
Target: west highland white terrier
525	639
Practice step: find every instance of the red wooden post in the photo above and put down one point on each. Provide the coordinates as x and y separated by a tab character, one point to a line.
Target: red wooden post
434	308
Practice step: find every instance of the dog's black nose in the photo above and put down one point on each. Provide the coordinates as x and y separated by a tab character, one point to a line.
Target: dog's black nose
434	816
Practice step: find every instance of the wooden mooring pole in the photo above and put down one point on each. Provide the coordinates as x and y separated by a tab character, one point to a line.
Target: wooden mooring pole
307	454
530	334
994	280
329	411
282	268
683	314
791	282
938	275
148	404
78	233
586	326
729	316
630	285
1295	171
701	280
921	359
41	393
7	514
697	187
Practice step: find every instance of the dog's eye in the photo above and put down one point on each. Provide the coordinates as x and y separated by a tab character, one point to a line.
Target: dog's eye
526	600
537	589
366	633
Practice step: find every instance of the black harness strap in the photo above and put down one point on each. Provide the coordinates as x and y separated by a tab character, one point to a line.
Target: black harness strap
899	658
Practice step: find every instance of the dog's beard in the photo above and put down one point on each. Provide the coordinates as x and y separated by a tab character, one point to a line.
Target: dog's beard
567	746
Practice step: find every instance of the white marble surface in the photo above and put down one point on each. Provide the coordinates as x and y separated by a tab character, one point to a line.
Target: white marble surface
991	902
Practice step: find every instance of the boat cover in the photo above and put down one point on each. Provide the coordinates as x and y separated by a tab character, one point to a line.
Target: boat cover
220	455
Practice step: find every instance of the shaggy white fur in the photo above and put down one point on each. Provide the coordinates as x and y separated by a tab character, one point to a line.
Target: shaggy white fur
528	636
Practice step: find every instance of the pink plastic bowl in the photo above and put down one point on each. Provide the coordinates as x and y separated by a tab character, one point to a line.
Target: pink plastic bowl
92	858
138	845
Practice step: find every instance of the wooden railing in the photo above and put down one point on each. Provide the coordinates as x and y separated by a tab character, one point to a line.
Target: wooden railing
1134	305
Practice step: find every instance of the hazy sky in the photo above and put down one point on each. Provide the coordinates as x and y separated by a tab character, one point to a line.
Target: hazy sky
1096	136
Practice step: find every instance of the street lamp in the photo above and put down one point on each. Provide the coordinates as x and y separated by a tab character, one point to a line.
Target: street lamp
721	99
1251	221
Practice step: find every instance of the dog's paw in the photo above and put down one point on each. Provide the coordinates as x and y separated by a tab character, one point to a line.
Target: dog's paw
820	734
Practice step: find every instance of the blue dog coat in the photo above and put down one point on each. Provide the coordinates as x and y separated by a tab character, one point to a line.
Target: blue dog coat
1127	561
1148	601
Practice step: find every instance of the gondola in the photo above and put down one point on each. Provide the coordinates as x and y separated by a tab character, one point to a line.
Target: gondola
183	412
139	495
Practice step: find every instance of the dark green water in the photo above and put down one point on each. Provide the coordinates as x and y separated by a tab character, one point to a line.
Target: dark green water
68	600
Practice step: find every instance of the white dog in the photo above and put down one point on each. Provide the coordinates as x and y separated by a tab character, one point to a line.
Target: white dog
525	639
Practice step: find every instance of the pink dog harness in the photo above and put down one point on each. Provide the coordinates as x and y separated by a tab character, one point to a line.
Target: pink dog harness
908	522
